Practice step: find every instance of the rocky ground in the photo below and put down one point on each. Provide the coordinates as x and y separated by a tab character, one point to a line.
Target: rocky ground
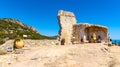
46	53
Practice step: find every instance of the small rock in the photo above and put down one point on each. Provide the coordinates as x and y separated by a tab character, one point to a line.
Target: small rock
9	49
19	51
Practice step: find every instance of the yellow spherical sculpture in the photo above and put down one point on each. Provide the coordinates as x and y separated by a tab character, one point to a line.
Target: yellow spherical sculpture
18	43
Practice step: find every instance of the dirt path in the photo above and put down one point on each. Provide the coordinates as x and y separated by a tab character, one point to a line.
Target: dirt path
115	53
82	55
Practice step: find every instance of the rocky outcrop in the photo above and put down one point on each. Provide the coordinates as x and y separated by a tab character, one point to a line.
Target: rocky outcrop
87	55
10	20
66	21
13	21
28	43
11	29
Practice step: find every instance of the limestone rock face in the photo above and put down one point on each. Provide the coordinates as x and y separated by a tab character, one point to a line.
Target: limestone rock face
66	21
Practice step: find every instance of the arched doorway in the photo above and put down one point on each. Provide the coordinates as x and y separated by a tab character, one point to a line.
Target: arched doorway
96	34
63	42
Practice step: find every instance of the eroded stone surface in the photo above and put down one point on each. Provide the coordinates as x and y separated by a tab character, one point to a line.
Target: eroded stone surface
71	32
94	55
66	21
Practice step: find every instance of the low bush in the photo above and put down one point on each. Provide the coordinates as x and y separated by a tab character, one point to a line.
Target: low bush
1	41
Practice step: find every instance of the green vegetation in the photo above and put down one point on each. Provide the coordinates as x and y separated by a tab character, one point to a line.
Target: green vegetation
1	41
10	29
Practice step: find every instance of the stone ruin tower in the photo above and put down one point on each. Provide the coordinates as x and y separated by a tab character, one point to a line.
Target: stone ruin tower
66	21
71	32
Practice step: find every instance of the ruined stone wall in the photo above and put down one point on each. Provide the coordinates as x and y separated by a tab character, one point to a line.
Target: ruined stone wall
81	30
99	31
78	32
71	32
66	21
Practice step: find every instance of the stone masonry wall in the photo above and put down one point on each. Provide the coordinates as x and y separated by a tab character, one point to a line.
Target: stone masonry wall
66	21
71	32
79	30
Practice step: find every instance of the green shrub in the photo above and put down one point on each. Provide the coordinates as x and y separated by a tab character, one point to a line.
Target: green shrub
1	41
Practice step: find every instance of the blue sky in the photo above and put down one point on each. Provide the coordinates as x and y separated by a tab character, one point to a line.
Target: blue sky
41	14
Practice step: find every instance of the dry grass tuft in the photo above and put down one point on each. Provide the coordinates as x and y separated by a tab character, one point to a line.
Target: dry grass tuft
2	52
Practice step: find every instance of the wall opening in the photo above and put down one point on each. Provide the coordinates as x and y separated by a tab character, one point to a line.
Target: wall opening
96	34
63	42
